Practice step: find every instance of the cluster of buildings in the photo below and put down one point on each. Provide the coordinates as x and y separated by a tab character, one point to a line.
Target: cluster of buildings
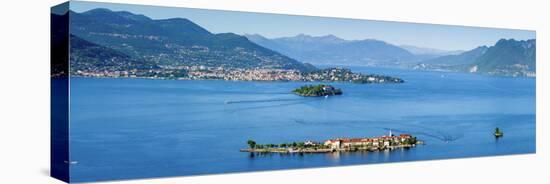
264	75
253	74
104	73
198	72
134	73
332	74
346	75
384	142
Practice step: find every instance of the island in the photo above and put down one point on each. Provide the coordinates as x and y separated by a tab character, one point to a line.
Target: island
317	90
386	142
339	74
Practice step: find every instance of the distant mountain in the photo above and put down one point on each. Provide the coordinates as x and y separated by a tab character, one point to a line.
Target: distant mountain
429	52
506	57
174	42
464	58
330	49
307	39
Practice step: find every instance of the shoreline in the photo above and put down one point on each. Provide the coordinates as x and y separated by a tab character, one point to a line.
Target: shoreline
324	75
186	79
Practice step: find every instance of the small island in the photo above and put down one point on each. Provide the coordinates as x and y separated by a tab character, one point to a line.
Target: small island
317	90
386	142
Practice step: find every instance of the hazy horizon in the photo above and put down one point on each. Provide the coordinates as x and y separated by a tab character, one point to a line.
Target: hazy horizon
441	37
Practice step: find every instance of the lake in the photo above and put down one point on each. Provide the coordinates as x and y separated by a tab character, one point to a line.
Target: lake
140	128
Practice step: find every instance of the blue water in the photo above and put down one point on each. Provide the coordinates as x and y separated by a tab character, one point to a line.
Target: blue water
137	128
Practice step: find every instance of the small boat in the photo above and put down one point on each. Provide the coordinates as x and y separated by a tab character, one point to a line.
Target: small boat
290	150
71	162
498	133
326	96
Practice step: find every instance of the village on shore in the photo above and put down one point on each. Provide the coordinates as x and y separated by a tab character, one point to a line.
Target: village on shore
335	74
386	142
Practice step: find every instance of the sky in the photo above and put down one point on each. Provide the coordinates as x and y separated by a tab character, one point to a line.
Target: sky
277	25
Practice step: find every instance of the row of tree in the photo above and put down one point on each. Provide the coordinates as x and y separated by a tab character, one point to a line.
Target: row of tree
253	145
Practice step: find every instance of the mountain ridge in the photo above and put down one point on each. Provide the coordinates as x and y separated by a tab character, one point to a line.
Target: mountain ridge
507	57
416	50
175	41
329	49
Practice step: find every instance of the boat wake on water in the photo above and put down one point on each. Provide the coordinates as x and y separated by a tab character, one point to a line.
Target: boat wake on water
261	101
271	100
295	102
436	134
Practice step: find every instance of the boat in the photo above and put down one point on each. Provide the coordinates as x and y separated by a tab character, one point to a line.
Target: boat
71	162
498	133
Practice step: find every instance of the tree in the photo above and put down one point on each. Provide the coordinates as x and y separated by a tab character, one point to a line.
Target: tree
251	144
412	141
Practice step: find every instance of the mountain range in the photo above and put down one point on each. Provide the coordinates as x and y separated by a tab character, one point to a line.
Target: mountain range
464	58
429	52
102	39
173	42
332	50
507	57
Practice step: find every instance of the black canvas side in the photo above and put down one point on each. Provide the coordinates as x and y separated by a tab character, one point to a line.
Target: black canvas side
59	83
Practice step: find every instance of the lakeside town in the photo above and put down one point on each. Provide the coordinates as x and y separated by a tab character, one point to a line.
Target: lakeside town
385	142
336	74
